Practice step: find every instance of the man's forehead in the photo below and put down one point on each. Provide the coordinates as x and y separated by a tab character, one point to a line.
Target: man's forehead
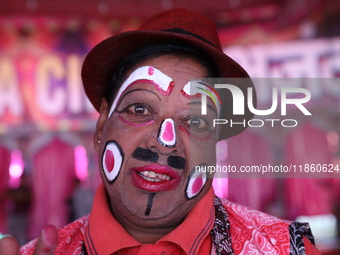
150	74
164	84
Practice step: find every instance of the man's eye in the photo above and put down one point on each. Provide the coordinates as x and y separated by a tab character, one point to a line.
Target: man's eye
197	123
138	109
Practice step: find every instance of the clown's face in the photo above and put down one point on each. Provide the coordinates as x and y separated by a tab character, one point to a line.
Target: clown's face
151	140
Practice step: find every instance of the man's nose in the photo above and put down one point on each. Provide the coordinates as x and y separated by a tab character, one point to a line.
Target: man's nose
163	140
167	133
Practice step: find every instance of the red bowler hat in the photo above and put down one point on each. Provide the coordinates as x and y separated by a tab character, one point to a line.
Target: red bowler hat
175	25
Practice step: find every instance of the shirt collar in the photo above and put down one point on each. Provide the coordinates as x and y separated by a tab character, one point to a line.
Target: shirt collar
189	235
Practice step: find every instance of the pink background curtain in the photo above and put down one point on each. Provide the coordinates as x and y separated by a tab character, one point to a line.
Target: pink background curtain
5	159
250	149
303	196
53	174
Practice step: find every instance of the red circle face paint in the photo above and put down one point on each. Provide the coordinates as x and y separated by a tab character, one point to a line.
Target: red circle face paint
109	160
196	183
112	160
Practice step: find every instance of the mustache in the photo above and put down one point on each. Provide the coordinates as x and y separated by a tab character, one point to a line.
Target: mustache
147	155
176	162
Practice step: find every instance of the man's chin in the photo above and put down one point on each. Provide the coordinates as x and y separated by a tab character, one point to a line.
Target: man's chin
152	209
158	220
164	212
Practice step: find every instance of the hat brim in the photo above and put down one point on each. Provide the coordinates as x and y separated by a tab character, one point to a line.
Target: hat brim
101	62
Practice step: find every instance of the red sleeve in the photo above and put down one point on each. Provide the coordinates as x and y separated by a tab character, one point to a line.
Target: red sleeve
310	248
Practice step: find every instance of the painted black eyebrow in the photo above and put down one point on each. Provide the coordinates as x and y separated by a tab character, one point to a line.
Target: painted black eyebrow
160	99
209	106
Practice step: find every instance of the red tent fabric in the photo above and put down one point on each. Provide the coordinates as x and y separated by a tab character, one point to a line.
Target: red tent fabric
307	196
5	160
249	149
53	174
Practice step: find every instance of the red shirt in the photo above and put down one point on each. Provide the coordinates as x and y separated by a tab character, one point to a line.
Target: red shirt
252	232
190	237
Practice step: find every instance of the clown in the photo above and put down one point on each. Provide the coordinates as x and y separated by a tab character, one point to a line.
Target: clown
132	112
150	136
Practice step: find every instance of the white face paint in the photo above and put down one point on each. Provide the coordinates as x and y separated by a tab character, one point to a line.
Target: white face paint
193	87
112	160
197	180
162	82
167	133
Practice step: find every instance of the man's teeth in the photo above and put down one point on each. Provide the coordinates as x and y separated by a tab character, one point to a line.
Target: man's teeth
154	177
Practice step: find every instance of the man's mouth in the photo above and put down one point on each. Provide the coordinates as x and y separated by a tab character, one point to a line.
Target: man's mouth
154	178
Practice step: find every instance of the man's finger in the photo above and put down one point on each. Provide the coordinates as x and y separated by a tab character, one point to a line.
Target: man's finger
9	246
47	241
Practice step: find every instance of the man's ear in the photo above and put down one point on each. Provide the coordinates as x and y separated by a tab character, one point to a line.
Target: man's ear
103	116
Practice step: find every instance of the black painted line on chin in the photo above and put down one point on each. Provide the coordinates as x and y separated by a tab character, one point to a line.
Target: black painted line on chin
149	205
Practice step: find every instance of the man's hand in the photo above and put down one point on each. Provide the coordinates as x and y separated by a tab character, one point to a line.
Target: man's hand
9	246
46	243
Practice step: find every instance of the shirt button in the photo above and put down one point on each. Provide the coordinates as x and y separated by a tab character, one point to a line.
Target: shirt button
163	253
